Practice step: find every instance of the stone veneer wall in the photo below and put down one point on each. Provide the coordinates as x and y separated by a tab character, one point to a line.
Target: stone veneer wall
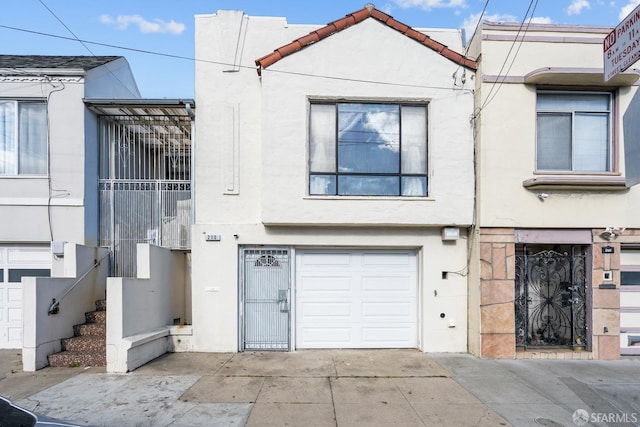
497	294
606	302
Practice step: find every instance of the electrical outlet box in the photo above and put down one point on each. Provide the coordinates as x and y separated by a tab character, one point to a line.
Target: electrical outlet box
57	248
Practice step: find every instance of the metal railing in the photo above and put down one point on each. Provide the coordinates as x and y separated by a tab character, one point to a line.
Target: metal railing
156	212
144	185
55	304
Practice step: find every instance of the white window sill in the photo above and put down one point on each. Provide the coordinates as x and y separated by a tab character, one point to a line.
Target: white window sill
23	176
372	198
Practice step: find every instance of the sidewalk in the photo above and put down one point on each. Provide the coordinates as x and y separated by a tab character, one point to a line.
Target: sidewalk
304	388
552	392
334	388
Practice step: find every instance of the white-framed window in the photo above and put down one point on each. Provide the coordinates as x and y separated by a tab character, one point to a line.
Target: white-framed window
573	132
367	149
23	137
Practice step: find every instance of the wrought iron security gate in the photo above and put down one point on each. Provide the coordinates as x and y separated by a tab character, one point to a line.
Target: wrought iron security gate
265	299
550	305
144	184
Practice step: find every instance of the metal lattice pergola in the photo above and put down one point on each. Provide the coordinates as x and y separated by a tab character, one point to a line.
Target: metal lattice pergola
144	171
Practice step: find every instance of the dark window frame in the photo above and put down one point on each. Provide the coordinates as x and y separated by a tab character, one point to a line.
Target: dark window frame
336	174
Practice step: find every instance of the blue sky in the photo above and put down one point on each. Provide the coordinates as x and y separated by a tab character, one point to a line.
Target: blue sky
167	26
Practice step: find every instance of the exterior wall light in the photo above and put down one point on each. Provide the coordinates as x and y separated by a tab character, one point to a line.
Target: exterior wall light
450	233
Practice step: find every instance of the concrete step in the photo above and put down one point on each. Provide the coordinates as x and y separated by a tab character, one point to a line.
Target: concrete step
101	305
96	317
75	358
99	329
86	344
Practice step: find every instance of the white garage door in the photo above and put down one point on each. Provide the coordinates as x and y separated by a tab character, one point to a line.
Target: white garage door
16	262
356	299
630	302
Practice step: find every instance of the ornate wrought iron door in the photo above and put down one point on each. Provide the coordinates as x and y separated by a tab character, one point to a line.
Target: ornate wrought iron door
550	306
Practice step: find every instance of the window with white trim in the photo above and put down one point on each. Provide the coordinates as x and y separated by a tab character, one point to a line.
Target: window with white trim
573	132
23	137
368	149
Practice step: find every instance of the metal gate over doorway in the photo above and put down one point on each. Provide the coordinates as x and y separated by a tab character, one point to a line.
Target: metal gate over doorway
550	306
265	299
144	171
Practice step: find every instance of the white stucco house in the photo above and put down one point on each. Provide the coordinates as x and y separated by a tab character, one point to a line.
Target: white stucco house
334	184
555	270
48	164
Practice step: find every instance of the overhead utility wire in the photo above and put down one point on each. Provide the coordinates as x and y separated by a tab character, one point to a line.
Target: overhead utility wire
84	45
207	61
501	78
466	48
484	9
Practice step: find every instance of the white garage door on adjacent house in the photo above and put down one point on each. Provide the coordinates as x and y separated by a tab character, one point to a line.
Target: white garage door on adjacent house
630	302
356	299
16	262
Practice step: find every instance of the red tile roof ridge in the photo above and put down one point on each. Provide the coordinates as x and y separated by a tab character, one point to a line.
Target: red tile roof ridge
369	11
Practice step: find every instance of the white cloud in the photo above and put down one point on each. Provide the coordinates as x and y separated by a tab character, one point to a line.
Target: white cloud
541	20
430	4
122	22
576	6
470	23
628	9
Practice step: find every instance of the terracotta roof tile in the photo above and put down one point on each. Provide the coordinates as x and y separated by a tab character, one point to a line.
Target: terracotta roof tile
397	25
380	16
355	18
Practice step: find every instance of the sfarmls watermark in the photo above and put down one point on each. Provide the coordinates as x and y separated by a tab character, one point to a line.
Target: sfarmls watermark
582	417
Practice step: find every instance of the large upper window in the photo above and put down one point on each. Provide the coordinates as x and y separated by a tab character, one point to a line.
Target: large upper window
574	132
367	149
23	138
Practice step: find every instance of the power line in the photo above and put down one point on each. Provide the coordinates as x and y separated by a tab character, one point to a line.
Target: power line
497	84
207	61
40	33
86	47
484	9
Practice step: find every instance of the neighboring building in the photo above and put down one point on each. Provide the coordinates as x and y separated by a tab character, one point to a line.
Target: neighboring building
84	160
557	224
332	183
48	167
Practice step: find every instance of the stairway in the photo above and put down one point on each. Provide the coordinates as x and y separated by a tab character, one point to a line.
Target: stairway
88	346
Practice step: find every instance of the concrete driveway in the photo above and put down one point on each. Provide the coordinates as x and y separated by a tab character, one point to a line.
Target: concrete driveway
304	388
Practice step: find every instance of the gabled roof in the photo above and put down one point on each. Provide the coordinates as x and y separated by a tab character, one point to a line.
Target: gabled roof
51	62
369	11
